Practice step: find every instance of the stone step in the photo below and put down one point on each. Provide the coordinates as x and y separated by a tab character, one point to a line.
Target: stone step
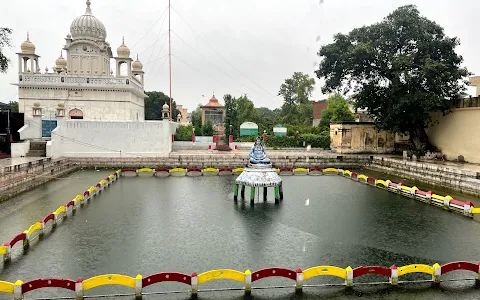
38	145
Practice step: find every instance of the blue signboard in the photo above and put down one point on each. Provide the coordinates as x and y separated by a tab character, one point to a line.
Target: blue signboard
47	127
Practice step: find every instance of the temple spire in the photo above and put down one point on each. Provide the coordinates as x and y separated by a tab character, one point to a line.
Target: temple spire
88	11
28	36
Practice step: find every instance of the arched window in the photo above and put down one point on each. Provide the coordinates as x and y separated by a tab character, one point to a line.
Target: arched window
75	114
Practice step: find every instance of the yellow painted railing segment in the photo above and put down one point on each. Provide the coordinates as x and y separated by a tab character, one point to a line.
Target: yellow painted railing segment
78	198
59	210
416	268
92	189
103	182
300	170
406	188
36	226
3	250
238	170
330	170
178	170
324	271
111	176
210	170
475	210
221	274
438	197
362	176
6	287
379	181
109	279
347	172
145	170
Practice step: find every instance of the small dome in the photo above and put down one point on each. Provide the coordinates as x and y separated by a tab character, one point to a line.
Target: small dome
61	62
137	65
165	106
123	50
88	27
61	105
27	46
36	104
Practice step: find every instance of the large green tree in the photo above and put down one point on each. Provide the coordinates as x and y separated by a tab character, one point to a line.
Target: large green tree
154	104
400	69
4	42
196	119
296	91
13	106
245	109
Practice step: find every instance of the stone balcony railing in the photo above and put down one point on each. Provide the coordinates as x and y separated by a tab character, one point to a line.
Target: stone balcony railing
72	80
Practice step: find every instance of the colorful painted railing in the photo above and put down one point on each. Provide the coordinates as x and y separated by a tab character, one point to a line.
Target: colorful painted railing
247	278
51	220
447	202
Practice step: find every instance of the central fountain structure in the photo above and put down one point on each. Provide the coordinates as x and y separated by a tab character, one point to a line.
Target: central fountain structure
259	173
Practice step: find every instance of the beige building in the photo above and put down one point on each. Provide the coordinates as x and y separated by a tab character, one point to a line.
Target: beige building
360	137
183	116
458	133
213	111
82	81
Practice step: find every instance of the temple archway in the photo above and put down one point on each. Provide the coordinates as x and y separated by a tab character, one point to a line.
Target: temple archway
75	114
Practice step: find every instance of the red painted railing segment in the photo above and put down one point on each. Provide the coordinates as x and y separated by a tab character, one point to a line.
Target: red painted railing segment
129	170
162	170
371	179
20	237
316	170
460	203
460	265
354	175
48	283
86	193
194	170
371	270
274	272
71	203
48	218
166	276
286	170
225	170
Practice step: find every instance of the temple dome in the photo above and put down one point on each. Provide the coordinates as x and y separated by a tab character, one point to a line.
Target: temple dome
137	65
27	46
88	27
123	50
61	62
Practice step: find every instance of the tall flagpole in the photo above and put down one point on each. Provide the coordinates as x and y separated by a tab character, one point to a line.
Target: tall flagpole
170	58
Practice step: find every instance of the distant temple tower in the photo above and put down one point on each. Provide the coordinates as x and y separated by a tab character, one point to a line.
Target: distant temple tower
82	78
213	111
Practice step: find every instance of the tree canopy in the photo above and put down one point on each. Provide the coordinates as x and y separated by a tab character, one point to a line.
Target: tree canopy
400	69
154	104
4	42
337	111
296	91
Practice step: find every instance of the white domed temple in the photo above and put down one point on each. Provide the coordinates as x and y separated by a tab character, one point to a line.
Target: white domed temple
84	106
82	77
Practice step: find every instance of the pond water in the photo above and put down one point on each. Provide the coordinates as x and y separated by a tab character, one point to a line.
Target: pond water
145	225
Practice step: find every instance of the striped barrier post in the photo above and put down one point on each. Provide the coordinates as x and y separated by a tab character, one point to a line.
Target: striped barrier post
26	241
467	209
299	281
437	272
248	282
8	253
194	285
17	290
43	229
446	202
394	275
349	280
138	287
79	289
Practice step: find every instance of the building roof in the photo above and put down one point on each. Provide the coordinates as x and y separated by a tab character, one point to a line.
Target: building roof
318	107
213	102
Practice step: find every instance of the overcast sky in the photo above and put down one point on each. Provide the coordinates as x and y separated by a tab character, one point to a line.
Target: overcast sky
262	42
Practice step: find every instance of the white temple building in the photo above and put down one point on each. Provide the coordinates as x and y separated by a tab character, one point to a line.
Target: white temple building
81	108
82	79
